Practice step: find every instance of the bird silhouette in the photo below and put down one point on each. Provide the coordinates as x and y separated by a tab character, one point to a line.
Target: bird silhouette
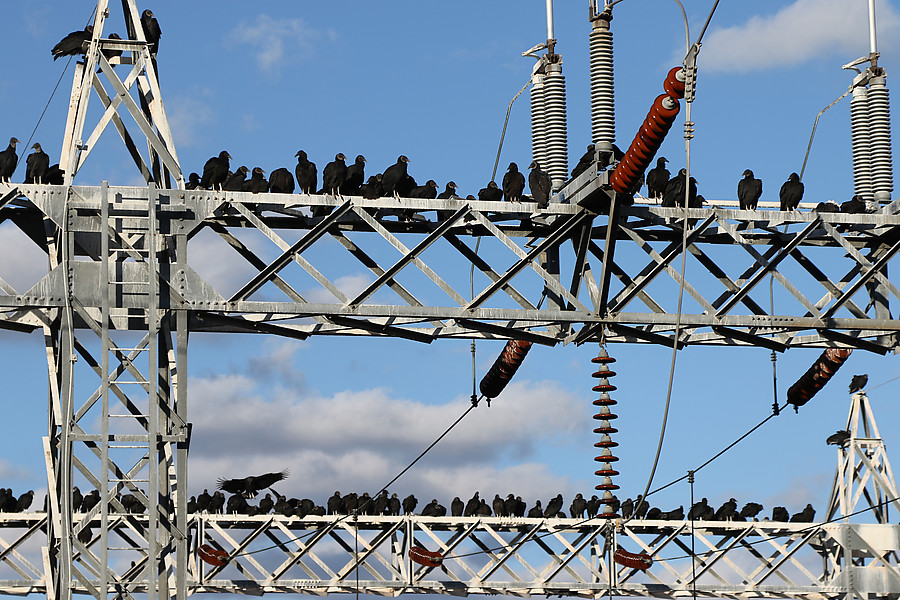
858	383
250	486
838	438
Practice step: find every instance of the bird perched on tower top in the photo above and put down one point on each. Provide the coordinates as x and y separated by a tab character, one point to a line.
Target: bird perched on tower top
250	486
791	193
657	178
36	165
858	382
8	160
152	32
513	183
73	43
540	184
749	190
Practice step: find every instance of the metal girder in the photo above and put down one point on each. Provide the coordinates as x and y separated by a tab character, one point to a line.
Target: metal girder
413	276
482	555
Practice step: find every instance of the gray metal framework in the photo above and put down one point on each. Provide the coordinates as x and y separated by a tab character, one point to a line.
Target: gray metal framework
123	288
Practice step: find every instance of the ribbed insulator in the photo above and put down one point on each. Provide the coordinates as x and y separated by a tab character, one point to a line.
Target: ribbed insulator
555	117
538	121
603	106
605	472
880	140
861	144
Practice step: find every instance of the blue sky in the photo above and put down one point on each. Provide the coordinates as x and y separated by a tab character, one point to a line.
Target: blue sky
432	81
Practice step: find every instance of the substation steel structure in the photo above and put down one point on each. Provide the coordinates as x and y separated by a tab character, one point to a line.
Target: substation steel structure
121	295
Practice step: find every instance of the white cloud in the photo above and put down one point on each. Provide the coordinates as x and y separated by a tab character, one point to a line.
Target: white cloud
25	262
361	439
188	115
350	285
800	32
277	41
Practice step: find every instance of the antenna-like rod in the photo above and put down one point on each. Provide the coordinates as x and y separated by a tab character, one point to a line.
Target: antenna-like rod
550	20
872	47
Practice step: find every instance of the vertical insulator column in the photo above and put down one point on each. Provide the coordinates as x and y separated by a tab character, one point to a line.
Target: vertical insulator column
603	108
880	140
605	445
557	143
538	121
861	144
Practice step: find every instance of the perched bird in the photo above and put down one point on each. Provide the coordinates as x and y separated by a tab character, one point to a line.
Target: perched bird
77	499
24	501
584	163
472	506
578	507
838	438
750	510
510	506
237	504
536	512
393	175
673	515
266	505
828	207
641	507
372	188
405	186
90	501
804	516
430	509
257	183
499	506
217	503
727	511
193	182
356	174
698	510
554	506
110	54
858	382
36	165
854	206
791	193
281	181
215	171
380	503
513	183
152	32
335	504
675	191
8	160
250	486
235	183
334	174
657	178
627	508
449	192
540	184
654	513
203	501
749	190
394	505
307	176
429	190
73	43
780	513
491	193
457	507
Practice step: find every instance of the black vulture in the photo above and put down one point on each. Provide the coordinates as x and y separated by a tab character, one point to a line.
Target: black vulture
356	174
749	190
237	504
780	513
828	207
698	510
193	182
36	165
405	186
536	512
110	54
90	501
499	506
513	183
449	191
428	191
8	160
217	504
431	509
791	193
203	501
77	499
472	506
540	184
235	183
307	176
750	510
584	163
627	508
439	509
257	182
249	486
152	32
266	505
215	171
334	174
281	181
657	178
457	507
579	505
804	516
854	206
393	175
380	503
654	513
491	193
191	504
640	507
510	506
676	514
24	501
838	438
372	188
858	382
335	504
55	175
73	43
394	505
351	502
674	194
727	511
130	503
483	509
554	506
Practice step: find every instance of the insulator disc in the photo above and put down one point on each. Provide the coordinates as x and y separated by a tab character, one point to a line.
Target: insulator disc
606	486
604	402
606	430
603	373
603	359
606	458
607	516
609	444
605	417
606	473
604	387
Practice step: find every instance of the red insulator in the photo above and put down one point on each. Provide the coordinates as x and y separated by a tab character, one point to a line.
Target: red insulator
603	357
606	472
425	557
604	387
647	141
504	368
817	376
608	416
606	430
213	556
631	560
603	371
673	85
604	401
606	458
